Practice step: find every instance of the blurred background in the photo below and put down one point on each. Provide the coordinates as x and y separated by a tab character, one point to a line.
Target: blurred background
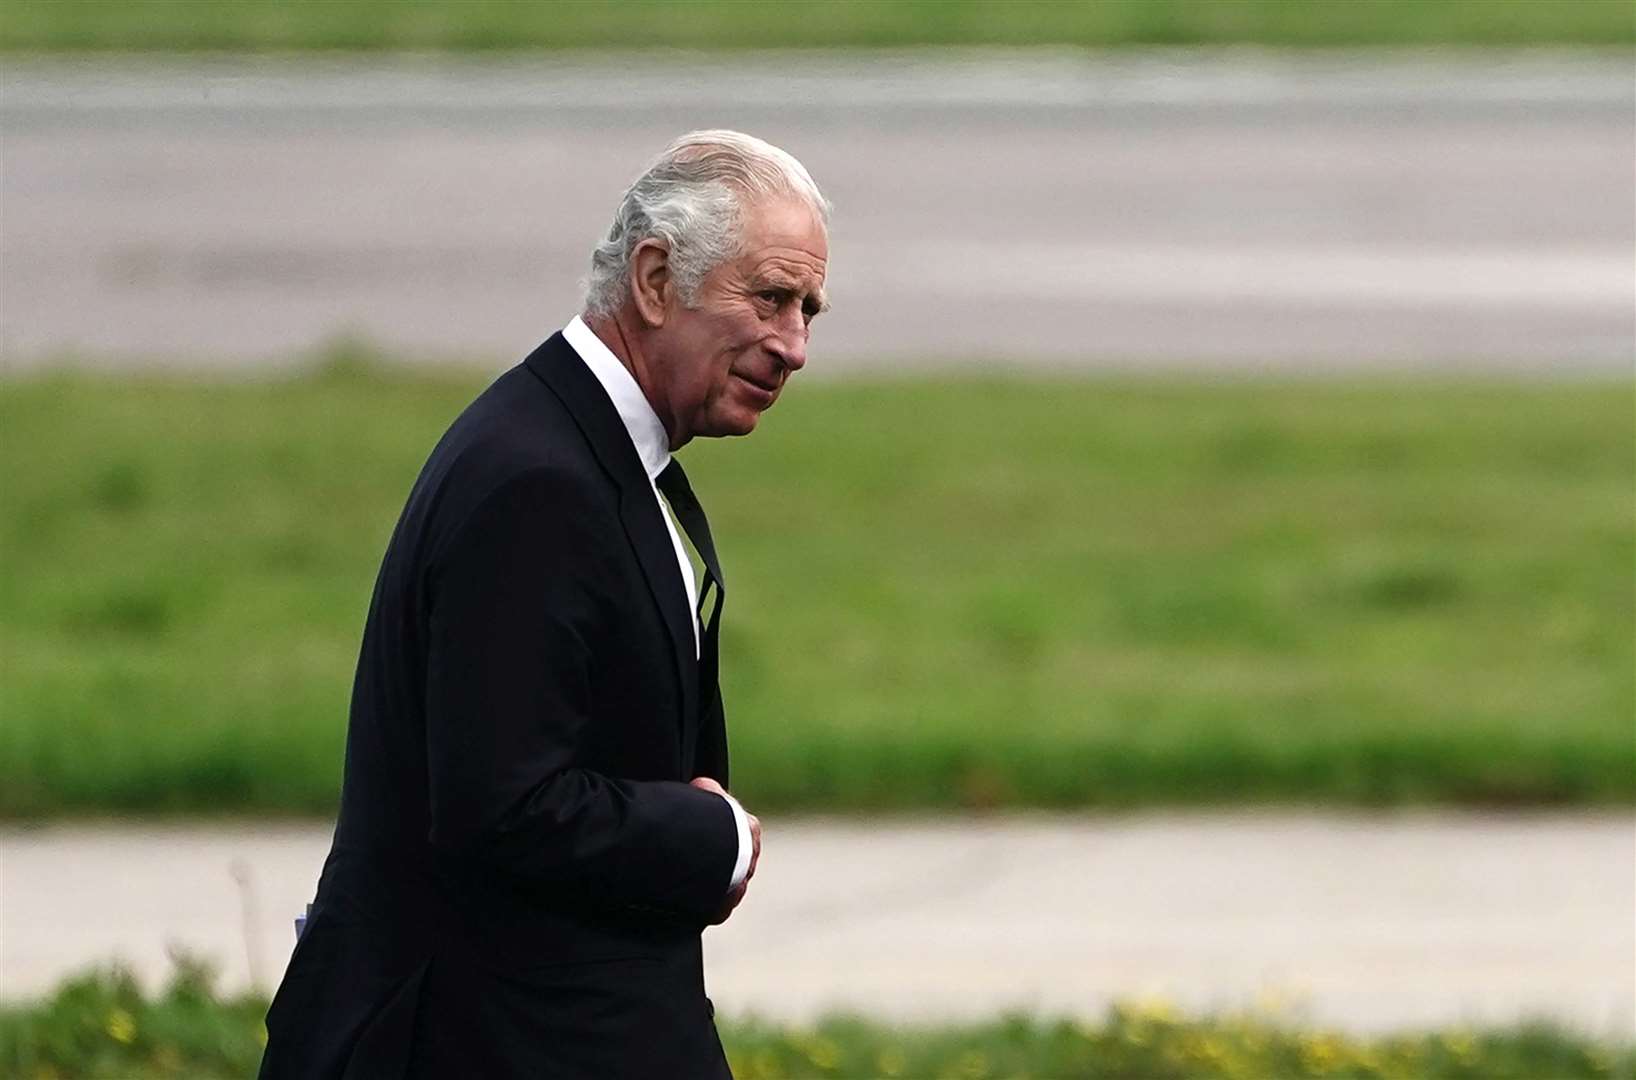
1183	617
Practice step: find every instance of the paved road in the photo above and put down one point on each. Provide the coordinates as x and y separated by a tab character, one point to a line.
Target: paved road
1231	210
1366	922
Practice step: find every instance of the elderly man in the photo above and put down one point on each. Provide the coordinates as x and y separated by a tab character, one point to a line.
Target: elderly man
535	827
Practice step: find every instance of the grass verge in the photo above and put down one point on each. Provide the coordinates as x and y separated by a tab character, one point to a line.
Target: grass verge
102	1025
946	592
491	25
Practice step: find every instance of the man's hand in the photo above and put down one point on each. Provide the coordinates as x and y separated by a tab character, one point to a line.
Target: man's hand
705	783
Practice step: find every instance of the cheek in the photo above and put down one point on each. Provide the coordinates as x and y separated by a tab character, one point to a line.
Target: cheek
731	344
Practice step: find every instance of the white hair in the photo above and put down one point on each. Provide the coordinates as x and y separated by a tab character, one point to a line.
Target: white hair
693	198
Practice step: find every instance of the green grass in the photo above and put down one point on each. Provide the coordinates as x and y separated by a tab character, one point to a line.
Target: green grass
487	25
946	593
102	1025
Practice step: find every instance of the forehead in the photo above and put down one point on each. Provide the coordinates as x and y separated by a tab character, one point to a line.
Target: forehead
785	237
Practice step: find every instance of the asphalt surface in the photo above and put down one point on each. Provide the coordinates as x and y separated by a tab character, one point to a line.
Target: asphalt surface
1368	923
1231	211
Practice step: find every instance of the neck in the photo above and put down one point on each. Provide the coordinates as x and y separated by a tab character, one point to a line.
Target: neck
625	342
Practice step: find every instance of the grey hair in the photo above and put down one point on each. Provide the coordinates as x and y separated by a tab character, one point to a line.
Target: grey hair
693	198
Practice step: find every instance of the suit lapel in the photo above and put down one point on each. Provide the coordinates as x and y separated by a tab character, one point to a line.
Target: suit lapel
557	365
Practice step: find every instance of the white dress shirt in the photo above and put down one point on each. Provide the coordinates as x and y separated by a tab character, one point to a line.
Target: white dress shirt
653	447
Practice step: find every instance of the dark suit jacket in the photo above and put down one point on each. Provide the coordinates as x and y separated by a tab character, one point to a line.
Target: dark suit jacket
520	874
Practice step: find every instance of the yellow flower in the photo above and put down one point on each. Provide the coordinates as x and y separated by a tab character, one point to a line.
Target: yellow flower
1369	1061
1271	1001
1153	1009
1320	1052
823	1053
120	1027
1462	1046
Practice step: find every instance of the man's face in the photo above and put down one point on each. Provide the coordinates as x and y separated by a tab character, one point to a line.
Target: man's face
724	360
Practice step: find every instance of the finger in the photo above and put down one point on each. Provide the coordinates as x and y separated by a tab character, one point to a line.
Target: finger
732	901
705	783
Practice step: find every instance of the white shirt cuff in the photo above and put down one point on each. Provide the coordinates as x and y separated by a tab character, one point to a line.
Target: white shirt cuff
741	866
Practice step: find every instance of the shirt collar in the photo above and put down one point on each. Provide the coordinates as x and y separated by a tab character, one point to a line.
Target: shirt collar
646	431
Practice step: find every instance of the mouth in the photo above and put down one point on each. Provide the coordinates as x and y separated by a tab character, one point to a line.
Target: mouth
763	393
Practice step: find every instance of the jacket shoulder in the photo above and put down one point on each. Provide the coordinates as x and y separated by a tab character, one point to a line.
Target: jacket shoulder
515	433
515	426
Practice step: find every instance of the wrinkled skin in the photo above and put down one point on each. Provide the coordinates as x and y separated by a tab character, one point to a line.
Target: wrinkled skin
713	367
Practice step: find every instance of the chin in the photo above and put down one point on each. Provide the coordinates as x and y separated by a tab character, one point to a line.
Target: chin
738	424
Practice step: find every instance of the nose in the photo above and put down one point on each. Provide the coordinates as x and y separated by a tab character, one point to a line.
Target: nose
789	346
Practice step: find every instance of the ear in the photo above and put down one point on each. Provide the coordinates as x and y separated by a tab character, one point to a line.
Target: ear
651	282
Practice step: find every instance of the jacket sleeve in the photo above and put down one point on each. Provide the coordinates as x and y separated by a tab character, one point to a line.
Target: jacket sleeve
513	595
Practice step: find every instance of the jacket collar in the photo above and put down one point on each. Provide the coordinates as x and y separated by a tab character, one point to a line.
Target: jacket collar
643	425
556	364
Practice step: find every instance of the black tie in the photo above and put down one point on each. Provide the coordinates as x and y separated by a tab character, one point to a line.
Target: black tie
685	505
708	753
